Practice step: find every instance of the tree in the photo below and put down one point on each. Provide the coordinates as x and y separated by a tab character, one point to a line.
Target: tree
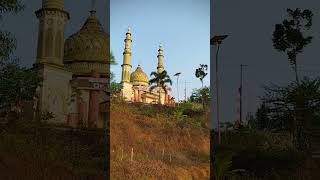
115	88
252	122
160	81
201	72
112	62
290	36
17	84
262	119
221	163
7	42
293	107
201	95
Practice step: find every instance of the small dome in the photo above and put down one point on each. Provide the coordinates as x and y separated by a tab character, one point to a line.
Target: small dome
139	78
53	4
88	46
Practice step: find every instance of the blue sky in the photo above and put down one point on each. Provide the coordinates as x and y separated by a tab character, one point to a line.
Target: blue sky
181	26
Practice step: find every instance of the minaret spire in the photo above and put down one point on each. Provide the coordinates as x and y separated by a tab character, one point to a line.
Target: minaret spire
93	5
52	20
126	66
160	67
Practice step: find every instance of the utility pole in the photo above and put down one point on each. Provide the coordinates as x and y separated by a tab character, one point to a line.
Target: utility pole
185	91
241	70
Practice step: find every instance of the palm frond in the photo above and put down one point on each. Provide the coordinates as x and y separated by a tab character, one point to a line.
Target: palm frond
168	81
152	87
155	74
153	81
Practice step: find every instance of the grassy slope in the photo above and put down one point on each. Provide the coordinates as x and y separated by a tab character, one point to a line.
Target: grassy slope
155	138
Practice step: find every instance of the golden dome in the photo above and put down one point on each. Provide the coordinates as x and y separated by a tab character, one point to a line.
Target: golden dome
88	46
139	78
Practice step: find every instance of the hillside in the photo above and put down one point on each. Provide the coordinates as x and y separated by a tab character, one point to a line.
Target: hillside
167	143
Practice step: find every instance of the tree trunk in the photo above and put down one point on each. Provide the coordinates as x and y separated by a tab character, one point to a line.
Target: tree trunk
202	98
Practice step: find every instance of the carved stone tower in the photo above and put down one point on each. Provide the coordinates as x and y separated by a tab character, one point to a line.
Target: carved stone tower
126	66
126	90
160	67
52	19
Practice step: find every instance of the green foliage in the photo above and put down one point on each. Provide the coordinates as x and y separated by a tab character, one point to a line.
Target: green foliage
112	62
8	45
221	164
262	118
160	80
290	36
178	114
258	153
10	6
201	95
17	84
189	114
115	88
7	42
112	59
291	108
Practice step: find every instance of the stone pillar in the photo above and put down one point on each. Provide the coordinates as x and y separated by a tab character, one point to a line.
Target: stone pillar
81	110
93	105
166	99
139	96
135	99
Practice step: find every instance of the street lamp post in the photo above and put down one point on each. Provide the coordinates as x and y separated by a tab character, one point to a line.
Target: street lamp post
177	74
217	40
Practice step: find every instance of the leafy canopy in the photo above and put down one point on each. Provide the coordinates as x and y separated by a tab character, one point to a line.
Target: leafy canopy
160	80
201	72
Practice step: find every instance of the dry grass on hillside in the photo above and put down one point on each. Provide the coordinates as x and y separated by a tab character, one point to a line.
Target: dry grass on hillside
162	147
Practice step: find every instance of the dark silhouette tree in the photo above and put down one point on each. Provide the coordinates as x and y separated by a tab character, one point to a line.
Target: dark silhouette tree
262	119
290	36
161	81
201	73
293	107
17	84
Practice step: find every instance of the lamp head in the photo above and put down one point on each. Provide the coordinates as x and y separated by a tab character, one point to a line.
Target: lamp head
217	39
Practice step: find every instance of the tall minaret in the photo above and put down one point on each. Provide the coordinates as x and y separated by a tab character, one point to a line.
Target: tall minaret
126	66
52	19
160	67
